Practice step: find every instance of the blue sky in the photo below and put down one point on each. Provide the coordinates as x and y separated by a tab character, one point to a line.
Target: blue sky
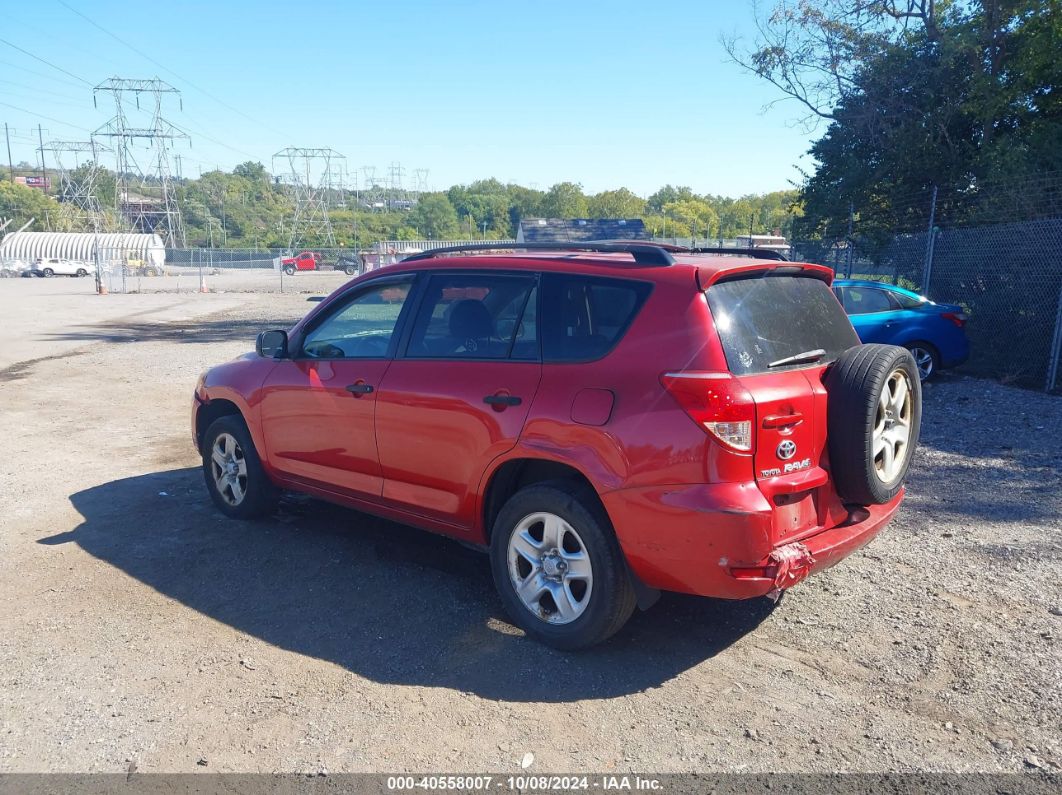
608	94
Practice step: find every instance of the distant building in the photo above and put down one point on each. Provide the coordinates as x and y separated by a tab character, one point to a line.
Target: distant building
775	242
580	230
83	247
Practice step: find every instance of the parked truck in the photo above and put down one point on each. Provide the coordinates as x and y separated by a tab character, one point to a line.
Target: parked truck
313	261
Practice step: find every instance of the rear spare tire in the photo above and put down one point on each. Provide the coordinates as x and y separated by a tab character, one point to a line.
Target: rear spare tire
874	417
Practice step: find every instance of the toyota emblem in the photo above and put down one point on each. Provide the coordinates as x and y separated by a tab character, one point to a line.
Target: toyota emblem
786	449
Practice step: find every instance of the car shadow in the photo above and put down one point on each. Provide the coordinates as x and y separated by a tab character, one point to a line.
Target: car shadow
196	332
387	602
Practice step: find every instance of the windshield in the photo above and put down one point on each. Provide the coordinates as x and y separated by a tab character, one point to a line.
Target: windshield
766	320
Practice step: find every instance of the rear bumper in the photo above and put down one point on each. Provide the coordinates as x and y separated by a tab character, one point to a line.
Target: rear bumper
716	540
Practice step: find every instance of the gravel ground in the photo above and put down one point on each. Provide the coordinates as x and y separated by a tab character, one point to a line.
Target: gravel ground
140	628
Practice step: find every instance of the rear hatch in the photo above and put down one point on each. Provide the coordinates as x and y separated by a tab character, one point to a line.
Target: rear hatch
779	331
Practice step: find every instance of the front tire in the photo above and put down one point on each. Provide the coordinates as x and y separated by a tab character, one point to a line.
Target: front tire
48	273
290	270
81	272
233	471
558	567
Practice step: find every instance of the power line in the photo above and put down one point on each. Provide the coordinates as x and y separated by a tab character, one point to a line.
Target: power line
186	128
39	74
46	63
36	115
144	55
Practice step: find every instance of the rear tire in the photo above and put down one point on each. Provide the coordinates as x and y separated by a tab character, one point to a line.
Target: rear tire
48	273
233	471
926	358
558	567
874	416
81	272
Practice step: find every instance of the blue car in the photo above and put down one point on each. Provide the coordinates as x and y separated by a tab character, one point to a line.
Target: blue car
934	333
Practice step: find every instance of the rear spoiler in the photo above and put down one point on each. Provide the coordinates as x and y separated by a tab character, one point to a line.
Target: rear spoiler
706	277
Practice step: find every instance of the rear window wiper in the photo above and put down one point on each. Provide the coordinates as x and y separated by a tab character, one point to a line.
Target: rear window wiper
800	358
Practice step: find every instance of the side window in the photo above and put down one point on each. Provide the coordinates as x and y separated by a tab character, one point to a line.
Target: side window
362	328
866	300
588	315
479	316
907	301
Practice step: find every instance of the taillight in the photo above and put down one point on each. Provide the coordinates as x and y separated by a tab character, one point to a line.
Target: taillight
718	403
958	318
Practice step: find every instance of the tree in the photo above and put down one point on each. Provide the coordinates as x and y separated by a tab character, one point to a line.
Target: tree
22	204
619	203
916	95
434	217
666	195
695	215
565	200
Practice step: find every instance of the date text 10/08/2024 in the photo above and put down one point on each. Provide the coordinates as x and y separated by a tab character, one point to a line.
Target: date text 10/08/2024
610	783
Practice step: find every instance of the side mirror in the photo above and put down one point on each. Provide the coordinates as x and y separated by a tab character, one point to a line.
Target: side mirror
272	344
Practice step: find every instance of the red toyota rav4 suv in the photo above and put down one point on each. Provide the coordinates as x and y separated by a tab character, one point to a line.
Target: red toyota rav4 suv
610	420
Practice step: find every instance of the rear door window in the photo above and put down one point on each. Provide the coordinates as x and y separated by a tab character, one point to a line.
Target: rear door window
763	320
867	300
479	316
587	315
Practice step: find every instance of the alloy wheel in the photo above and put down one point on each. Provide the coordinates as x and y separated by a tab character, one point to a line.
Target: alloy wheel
892	427
923	360
229	469
550	568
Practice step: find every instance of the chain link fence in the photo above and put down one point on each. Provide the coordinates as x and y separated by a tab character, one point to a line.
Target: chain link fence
998	259
994	253
316	270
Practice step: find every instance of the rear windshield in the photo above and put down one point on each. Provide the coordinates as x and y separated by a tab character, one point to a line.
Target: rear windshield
764	320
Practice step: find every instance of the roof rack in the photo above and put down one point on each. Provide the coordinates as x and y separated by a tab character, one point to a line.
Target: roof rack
762	253
643	253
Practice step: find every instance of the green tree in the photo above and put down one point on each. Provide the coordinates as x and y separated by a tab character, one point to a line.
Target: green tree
565	200
21	204
915	94
666	195
619	203
434	217
695	215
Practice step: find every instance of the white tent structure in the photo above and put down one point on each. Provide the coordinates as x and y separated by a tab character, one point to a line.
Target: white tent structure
82	247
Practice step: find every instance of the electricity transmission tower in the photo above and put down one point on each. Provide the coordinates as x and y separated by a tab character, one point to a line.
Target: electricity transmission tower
145	194
77	185
420	176
312	197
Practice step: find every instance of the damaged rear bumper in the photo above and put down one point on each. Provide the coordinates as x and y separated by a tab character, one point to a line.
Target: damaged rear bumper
728	554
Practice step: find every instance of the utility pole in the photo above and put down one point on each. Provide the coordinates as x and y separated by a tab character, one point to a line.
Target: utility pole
931	239
44	174
849	242
10	167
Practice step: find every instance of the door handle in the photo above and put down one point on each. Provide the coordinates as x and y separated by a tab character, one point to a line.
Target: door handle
359	389
782	420
502	400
